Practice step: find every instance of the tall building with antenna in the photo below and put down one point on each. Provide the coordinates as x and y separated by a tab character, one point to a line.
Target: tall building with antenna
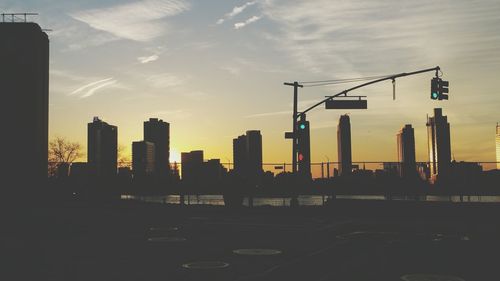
24	80
438	139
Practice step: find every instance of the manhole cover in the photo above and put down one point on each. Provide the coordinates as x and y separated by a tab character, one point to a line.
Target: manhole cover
257	252
206	265
166	239
430	277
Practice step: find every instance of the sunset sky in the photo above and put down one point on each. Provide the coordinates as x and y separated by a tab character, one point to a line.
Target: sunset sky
214	69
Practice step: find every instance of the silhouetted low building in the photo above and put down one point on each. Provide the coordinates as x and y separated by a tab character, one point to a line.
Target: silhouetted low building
192	166
62	170
102	148
79	170
213	170
465	170
124	174
247	155
391	168
143	158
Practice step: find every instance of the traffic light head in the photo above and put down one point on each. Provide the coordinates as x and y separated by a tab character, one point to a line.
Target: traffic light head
435	88
439	89
443	89
301	157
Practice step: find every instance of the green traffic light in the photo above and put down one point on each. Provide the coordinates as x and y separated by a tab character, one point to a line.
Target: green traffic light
434	95
302	126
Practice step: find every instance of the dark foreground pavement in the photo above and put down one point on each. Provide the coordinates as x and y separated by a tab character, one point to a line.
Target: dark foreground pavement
353	241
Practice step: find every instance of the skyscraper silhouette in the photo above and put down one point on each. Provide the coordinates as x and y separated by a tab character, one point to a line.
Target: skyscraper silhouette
406	151
24	82
497	140
254	148
344	145
158	132
438	136
102	148
247	154
240	154
143	158
192	166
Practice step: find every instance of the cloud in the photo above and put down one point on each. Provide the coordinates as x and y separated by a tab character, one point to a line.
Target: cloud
236	10
148	59
239	25
373	36
94	89
89	85
138	21
91	88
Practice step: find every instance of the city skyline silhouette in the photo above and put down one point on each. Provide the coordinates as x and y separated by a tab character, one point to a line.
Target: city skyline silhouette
151	140
172	84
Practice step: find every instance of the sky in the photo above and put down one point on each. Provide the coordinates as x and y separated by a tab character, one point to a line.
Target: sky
214	69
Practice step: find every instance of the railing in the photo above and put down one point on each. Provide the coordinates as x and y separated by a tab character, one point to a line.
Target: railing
323	170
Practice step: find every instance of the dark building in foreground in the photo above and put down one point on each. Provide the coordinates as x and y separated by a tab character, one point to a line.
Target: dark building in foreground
213	170
438	139
24	84
497	141
247	154
102	148
158	132
344	145
192	166
143	158
406	151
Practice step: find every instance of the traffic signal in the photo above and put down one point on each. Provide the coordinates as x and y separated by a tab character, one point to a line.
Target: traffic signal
435	88
443	89
303	148
439	89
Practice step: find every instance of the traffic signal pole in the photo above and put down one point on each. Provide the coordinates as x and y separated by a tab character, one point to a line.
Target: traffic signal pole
443	88
391	77
296	86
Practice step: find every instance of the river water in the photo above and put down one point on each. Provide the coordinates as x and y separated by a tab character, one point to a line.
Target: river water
304	200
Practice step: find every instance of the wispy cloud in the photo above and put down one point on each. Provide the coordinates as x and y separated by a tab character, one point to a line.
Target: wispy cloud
236	10
90	89
139	21
86	86
148	58
93	90
352	35
242	24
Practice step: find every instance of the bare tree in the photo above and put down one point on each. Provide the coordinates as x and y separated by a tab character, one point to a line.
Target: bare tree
61	151
123	158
